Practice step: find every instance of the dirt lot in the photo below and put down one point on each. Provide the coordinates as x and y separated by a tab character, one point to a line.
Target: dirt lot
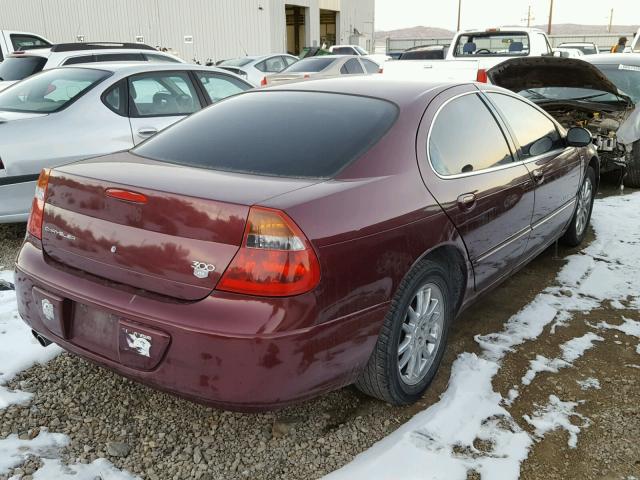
159	436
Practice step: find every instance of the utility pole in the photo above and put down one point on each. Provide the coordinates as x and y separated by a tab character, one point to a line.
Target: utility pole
459	12
550	17
529	17
610	20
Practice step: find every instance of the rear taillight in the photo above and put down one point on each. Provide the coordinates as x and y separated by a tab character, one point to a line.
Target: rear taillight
34	226
263	83
481	76
275	259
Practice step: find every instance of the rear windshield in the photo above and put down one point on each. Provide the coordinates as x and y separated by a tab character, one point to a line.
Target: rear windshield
586	49
236	62
315	64
49	91
431	54
17	68
276	133
503	44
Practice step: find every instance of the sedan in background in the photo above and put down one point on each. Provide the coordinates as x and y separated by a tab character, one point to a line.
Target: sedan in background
250	264
254	68
66	114
587	48
323	67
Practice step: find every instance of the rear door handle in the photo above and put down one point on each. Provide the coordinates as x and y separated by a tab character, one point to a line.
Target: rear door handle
147	131
538	175
466	201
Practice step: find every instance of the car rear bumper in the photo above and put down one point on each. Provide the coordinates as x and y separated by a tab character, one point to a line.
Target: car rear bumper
229	351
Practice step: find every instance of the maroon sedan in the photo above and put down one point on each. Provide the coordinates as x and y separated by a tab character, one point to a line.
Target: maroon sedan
287	242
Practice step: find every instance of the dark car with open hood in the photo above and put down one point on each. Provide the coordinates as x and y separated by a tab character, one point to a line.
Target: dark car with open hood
250	263
598	93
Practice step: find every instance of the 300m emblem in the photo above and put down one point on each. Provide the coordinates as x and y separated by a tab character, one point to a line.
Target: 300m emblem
201	269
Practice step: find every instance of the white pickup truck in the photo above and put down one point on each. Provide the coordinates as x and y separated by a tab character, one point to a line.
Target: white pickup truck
12	41
473	52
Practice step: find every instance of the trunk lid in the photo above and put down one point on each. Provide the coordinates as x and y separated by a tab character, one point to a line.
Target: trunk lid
531	73
190	215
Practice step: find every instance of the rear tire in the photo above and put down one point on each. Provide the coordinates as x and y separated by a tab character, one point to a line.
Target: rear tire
413	337
632	177
581	217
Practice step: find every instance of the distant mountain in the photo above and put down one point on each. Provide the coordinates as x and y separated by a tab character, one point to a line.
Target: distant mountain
415	32
557	29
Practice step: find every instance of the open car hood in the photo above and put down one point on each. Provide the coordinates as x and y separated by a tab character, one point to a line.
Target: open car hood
518	74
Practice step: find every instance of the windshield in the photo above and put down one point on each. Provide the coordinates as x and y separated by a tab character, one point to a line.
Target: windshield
315	64
625	77
504	44
308	135
49	91
235	62
17	68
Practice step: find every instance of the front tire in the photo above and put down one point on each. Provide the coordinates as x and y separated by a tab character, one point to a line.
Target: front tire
581	217
413	337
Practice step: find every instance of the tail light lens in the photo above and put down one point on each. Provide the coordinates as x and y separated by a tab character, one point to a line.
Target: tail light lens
263	82
275	259
34	227
481	76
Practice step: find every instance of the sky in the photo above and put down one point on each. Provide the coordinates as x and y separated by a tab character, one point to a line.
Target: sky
393	14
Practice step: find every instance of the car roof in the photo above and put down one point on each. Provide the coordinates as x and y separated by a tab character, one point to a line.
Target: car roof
402	92
128	68
613	58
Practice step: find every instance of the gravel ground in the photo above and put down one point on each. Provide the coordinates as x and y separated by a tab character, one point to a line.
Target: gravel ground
158	436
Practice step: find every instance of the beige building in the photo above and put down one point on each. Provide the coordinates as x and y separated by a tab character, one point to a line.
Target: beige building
200	29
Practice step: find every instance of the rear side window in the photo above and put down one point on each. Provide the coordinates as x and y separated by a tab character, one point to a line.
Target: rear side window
17	68
465	138
371	67
307	135
116	98
50	91
351	67
344	51
120	57
316	64
80	59
162	94
152	57
535	133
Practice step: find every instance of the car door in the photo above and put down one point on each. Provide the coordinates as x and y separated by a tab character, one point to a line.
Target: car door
218	85
555	168
467	162
158	100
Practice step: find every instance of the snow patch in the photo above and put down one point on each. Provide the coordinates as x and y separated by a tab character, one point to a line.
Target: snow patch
99	469
589	383
13	451
557	414
430	444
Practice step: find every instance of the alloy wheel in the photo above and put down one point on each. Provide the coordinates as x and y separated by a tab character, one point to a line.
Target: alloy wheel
584	206
422	332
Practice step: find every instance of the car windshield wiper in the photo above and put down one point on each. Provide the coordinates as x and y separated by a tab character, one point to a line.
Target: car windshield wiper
589	97
536	95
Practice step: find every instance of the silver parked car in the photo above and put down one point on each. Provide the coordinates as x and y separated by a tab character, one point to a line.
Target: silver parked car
254	68
323	67
71	113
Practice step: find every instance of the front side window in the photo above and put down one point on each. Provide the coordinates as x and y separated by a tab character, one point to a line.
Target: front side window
27	42
466	138
162	94
234	136
220	86
17	68
504	44
535	133
351	67
50	91
290	60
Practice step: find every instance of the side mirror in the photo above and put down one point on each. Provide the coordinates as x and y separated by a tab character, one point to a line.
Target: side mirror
578	137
